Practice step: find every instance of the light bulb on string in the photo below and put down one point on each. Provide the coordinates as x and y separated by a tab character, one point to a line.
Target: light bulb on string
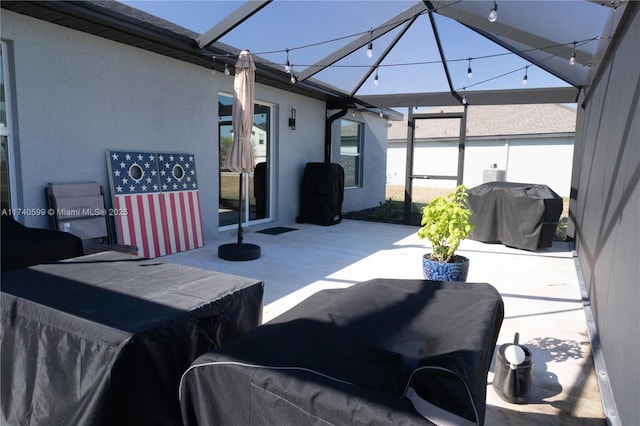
469	71
370	46
526	77
464	96
375	79
226	69
572	60
293	78
287	65
493	15
381	114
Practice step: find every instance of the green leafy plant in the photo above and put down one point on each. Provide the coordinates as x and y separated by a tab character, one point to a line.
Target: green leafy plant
445	223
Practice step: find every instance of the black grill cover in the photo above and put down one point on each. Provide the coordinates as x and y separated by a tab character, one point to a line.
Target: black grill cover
349	356
518	215
322	194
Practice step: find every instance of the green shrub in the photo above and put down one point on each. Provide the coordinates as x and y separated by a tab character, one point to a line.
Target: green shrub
390	212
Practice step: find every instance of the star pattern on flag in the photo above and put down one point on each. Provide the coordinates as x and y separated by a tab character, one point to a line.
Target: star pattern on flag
177	172
134	172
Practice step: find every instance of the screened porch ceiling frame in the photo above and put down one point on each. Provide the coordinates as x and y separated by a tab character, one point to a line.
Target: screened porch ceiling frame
511	38
126	25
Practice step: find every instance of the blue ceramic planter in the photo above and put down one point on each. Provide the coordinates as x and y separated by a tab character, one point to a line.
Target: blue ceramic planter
441	271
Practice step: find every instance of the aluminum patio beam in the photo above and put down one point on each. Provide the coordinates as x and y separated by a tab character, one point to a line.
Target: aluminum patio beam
436	35
384	55
363	40
240	15
554	95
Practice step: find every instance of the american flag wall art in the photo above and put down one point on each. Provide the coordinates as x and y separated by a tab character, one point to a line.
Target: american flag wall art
156	201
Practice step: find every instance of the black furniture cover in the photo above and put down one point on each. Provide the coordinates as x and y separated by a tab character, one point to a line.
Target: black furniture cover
23	246
260	189
361	355
103	339
322	194
519	215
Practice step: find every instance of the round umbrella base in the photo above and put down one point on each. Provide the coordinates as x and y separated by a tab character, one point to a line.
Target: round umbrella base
239	252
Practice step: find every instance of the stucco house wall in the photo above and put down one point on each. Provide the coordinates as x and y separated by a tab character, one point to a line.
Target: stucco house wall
371	191
78	95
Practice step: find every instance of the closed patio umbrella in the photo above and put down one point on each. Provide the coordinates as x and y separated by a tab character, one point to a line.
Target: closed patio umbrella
240	158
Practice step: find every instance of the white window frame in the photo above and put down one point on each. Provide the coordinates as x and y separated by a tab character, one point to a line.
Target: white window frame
358	154
7	130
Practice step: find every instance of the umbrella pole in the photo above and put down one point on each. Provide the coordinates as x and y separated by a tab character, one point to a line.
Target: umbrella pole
240	211
239	250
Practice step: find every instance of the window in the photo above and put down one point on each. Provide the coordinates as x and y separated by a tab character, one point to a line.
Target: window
351	152
5	132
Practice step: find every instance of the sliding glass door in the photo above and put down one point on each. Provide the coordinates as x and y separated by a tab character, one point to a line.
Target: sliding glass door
256	186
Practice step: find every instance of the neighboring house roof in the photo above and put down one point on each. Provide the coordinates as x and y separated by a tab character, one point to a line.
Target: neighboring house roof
493	120
350	129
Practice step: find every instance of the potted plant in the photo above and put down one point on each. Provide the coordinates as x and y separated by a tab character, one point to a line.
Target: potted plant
445	223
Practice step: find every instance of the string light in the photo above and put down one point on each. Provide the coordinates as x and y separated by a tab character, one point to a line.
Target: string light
572	60
469	72
293	77
381	114
526	77
464	96
287	66
533	49
375	79
404	64
493	15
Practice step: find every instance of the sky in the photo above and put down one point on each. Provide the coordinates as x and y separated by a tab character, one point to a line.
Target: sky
313	29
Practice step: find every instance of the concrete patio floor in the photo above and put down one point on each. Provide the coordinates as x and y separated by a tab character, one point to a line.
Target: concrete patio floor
540	290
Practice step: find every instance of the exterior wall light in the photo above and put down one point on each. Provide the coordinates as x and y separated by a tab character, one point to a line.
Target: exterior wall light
292	119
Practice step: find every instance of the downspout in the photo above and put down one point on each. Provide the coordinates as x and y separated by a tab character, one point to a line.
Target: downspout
327	133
